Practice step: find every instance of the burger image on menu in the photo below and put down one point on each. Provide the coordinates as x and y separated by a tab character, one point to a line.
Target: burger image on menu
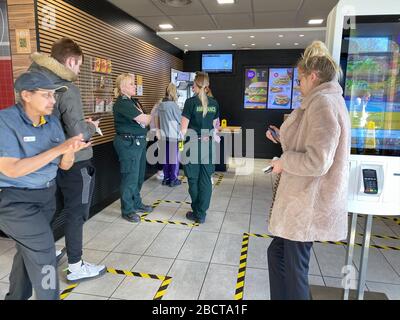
281	99
256	92
282	81
276	89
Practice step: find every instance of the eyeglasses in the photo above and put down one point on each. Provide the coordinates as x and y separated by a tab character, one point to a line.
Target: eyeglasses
47	94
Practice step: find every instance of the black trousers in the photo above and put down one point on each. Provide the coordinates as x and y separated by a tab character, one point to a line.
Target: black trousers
25	216
288	264
76	186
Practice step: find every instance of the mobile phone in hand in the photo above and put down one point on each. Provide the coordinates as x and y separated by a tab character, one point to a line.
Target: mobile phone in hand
274	134
268	169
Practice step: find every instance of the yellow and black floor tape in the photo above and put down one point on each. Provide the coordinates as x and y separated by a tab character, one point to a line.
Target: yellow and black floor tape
67	291
396	220
156	204
382	247
242	268
172	222
220	177
166	280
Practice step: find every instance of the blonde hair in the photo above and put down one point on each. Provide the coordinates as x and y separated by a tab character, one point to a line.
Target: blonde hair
202	81
317	58
120	81
170	92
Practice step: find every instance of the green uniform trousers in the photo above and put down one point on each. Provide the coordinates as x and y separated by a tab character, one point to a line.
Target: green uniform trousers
199	181
132	157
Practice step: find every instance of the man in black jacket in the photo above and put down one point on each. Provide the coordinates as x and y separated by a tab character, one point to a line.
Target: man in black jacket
77	184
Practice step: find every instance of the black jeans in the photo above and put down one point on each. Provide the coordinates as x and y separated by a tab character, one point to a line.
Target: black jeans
76	186
25	216
288	263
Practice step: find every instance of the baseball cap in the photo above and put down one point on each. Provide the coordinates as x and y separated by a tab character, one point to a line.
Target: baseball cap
33	80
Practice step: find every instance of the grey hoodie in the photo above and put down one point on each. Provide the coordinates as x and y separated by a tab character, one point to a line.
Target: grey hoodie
68	107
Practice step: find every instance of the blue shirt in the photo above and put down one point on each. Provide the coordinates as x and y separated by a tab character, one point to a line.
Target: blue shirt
19	138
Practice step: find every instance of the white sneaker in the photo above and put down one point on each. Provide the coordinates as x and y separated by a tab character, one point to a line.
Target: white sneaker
160	175
87	271
60	254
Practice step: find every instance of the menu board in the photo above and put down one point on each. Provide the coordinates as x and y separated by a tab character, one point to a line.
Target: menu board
296	96
280	88
256	88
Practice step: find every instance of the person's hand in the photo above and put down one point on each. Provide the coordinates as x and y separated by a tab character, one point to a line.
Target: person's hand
73	144
277	166
95	123
269	135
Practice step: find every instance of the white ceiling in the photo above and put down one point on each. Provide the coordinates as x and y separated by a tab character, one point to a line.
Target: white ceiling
265	19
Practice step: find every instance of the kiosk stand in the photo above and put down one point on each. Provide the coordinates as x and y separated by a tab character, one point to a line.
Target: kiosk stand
362	36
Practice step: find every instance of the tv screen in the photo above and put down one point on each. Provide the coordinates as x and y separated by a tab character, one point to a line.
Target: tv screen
217	62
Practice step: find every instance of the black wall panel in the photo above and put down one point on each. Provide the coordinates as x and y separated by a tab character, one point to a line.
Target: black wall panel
228	90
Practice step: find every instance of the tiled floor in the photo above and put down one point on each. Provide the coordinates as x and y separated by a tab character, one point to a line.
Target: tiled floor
203	261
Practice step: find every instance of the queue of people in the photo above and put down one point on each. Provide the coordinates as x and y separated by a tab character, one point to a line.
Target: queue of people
47	145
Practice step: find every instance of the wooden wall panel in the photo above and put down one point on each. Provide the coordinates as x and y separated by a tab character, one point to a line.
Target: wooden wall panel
98	39
21	15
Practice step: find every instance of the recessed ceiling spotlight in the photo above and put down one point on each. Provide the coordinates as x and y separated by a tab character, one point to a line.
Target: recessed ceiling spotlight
253	44
296	43
315	21
252	36
166	26
278	44
210	45
229	37
280	36
233	44
186	45
226	1
301	35
176	38
203	38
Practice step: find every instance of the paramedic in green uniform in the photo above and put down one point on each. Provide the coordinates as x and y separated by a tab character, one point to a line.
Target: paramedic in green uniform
200	114
130	143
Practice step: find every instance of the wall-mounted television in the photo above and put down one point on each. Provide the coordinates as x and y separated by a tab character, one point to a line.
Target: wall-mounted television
217	62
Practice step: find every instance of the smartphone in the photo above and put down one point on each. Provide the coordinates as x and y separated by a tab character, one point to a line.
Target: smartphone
95	117
274	134
268	169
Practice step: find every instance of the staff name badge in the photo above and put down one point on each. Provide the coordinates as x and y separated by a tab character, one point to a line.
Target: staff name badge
30	139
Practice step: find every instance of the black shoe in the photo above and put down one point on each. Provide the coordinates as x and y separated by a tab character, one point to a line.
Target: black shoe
165	182
131	217
191	216
145	209
61	255
175	183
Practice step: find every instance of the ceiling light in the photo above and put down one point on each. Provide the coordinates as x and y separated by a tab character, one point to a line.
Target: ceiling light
280	36
210	45
203	38
296	43
176	3
301	35
186	45
252	36
315	21
229	37
176	38
165	26
233	44
226	1
253	44
278	44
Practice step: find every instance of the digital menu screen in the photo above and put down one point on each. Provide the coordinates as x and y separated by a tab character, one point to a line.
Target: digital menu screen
280	88
256	88
296	95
